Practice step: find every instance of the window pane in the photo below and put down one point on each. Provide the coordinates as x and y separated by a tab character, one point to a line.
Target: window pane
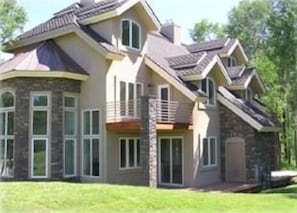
86	158
87	122
69	157
212	151
95	158
211	92
135	36
9	158
39	122
7	100
69	123
122	98
203	85
69	102
138	91
2	160
126	33
40	100
205	151
95	123
2	123
131	153
10	122
123	153
131	100
39	158
138	152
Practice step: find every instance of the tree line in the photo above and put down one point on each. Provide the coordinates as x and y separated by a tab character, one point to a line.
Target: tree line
267	29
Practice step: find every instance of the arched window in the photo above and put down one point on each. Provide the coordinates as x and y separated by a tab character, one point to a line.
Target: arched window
6	134
209	87
130	34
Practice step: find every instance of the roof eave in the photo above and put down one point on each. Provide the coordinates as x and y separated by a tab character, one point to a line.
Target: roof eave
119	11
155	67
231	50
252	122
207	70
42	74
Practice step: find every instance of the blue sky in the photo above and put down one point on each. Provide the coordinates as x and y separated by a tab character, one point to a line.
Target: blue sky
183	12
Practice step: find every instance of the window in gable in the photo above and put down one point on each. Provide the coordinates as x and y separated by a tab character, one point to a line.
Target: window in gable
130	34
231	62
208	86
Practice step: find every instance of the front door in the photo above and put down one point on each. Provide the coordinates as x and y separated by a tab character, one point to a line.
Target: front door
235	160
171	161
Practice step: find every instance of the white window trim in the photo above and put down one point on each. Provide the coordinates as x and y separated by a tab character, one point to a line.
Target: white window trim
209	152
127	166
159	161
46	158
70	137
232	61
91	137
207	92
127	96
7	137
40	137
130	34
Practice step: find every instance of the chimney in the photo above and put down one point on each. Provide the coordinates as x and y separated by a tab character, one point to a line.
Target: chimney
172	32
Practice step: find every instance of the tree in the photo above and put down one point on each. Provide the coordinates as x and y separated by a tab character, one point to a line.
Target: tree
248	23
205	30
12	19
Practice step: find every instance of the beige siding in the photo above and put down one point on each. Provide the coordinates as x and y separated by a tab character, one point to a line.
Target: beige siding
93	90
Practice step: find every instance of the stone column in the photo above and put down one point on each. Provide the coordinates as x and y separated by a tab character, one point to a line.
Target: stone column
148	147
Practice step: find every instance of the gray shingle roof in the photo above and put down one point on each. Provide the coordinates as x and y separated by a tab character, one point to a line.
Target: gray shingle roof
248	108
45	56
246	74
159	49
235	72
188	59
207	45
71	15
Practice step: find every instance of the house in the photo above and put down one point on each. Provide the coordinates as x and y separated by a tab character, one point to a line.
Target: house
102	92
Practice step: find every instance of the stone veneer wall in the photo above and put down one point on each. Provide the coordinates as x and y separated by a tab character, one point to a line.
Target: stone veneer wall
23	87
260	147
148	141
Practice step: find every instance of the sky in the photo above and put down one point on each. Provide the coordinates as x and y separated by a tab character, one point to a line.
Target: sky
184	13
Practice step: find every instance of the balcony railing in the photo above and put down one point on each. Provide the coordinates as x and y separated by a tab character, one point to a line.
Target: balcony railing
166	111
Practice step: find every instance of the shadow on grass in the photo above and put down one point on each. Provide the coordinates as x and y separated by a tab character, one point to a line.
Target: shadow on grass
289	191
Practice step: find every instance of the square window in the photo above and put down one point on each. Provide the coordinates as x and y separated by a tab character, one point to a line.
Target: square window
40	100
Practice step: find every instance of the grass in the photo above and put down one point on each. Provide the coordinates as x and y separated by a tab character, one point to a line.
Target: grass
71	197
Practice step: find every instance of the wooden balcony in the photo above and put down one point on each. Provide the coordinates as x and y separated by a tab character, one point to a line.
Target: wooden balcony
126	115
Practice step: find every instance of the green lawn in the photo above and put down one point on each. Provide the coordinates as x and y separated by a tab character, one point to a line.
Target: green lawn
71	197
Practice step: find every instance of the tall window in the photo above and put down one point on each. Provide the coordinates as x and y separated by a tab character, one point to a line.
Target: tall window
248	94
209	151
6	134
70	135
40	133
91	143
129	153
208	86
130	34
130	94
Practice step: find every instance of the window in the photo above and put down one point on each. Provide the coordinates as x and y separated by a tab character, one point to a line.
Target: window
231	62
209	151
91	143
40	134
129	153
70	135
247	94
208	86
130	34
6	135
130	94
